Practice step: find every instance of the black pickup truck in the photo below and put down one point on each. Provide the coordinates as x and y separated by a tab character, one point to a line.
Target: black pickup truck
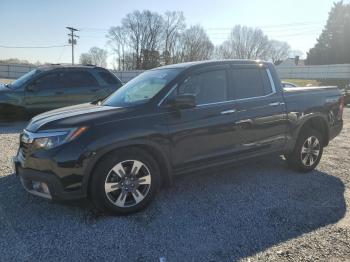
172	120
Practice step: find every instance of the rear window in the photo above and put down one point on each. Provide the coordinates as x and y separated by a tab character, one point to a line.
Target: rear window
250	82
109	78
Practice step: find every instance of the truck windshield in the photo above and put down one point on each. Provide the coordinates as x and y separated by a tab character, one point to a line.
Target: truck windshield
142	88
20	81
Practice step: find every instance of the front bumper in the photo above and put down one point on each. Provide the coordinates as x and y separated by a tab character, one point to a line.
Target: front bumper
31	178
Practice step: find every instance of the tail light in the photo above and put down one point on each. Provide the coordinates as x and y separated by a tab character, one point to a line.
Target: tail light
341	108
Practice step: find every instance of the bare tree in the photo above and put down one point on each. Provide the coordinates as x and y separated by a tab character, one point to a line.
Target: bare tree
85	59
246	43
118	40
144	30
294	53
174	24
279	51
95	56
195	44
152	39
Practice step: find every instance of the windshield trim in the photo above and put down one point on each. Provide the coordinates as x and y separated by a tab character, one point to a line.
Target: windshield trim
33	72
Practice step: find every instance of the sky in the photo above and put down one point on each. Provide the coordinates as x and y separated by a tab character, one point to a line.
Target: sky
43	22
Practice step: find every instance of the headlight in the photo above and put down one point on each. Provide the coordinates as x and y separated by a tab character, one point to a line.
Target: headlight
50	139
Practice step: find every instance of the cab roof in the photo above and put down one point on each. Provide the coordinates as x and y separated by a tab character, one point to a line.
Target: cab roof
212	62
66	66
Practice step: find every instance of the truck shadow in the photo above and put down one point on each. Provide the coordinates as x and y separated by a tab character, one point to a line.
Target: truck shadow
220	215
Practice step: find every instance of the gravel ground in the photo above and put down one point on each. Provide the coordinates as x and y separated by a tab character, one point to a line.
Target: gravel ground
251	212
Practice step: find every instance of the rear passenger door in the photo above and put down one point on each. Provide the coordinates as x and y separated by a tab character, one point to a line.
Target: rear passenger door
261	119
80	87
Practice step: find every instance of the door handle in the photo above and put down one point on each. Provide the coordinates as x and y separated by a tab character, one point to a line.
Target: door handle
228	112
244	122
58	93
276	104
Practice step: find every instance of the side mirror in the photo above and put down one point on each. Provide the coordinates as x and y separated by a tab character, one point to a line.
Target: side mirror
184	101
31	87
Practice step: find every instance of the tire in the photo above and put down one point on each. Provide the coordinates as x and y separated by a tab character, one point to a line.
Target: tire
124	182
308	159
12	113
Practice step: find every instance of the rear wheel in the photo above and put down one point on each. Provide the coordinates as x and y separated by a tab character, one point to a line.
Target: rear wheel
125	182
307	152
11	113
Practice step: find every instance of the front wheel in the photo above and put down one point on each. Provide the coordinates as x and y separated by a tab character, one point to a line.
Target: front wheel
125	182
307	152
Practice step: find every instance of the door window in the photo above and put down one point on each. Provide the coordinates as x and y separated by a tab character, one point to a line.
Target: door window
48	81
250	82
75	79
208	87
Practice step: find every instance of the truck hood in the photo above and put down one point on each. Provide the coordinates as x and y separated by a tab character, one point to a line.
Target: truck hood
74	116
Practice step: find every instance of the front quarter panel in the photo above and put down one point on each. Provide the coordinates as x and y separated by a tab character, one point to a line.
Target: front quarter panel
12	97
147	131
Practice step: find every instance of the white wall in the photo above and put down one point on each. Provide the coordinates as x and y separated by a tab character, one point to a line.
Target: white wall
285	72
314	72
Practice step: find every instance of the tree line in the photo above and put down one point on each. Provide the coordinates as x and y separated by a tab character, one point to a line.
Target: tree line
146	39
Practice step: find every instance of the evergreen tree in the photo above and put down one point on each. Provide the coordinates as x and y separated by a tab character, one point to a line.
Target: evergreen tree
333	45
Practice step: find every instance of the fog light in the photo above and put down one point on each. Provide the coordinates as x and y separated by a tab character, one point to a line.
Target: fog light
45	188
36	185
40	187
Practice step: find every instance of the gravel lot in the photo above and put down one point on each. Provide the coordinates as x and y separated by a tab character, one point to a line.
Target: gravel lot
252	212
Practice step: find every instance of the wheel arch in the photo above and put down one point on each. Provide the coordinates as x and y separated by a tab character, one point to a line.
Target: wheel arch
154	150
318	123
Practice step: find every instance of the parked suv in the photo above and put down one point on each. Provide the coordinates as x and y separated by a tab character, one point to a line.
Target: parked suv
173	120
54	86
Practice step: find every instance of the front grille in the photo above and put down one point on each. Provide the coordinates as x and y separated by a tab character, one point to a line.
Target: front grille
24	149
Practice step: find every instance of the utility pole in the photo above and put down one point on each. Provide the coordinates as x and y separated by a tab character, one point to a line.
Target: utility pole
72	40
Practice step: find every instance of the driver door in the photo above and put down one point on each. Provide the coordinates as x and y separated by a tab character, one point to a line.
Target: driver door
207	131
43	94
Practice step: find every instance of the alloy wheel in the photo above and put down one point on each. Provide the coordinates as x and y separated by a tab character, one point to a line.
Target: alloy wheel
310	151
128	183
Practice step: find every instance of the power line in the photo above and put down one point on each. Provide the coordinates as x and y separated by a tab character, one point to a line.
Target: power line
61	54
271	26
51	46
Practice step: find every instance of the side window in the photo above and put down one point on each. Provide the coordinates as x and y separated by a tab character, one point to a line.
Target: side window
48	81
266	82
250	82
209	87
73	79
109	78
